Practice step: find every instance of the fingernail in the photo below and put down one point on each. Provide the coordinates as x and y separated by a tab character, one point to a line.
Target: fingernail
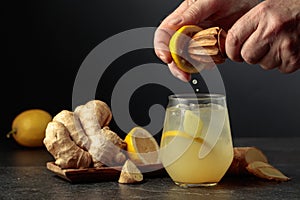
175	21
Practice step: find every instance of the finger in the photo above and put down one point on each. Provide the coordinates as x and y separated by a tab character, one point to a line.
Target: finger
186	77
165	31
161	44
288	53
175	19
255	47
269	61
239	33
200	11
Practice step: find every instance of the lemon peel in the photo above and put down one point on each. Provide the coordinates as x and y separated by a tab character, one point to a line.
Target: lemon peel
28	127
178	44
142	147
176	133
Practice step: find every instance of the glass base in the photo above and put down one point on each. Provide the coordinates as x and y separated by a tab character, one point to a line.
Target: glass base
189	185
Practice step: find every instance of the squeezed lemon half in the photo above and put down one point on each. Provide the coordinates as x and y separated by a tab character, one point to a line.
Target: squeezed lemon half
178	44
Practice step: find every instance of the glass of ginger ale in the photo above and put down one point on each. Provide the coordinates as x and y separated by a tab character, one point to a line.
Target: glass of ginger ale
196	145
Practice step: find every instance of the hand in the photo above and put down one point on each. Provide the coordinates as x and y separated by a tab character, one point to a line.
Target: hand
269	35
204	13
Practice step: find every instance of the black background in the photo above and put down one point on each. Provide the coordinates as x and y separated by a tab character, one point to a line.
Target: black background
44	43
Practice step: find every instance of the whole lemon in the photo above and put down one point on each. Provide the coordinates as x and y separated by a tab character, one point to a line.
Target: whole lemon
28	128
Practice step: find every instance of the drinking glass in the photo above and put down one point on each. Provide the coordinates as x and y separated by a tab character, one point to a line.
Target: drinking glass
196	145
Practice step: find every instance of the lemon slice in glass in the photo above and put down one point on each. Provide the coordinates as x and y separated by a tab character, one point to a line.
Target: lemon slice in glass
176	133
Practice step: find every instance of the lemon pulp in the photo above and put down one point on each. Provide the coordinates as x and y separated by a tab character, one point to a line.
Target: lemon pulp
142	147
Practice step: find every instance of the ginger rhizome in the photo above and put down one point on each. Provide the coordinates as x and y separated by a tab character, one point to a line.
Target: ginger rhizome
66	153
72	123
266	171
252	161
244	156
130	173
93	116
85	132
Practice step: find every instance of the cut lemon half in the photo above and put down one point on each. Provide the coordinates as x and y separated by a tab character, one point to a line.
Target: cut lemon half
142	147
182	134
178	48
192	124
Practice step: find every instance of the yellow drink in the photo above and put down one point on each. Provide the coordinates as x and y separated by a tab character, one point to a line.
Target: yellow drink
185	133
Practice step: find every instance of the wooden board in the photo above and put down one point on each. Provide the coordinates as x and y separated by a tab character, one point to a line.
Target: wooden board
102	174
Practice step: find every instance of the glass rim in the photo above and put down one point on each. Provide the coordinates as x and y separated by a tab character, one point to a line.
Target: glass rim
197	96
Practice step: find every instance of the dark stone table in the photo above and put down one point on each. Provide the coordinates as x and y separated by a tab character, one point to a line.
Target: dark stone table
23	175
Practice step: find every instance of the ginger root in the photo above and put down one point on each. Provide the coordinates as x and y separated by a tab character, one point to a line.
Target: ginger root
266	171
66	153
251	160
114	138
244	156
82	138
98	110
130	173
72	123
93	116
117	142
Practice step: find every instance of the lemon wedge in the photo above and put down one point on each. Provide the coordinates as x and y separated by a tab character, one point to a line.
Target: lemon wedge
142	147
192	124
